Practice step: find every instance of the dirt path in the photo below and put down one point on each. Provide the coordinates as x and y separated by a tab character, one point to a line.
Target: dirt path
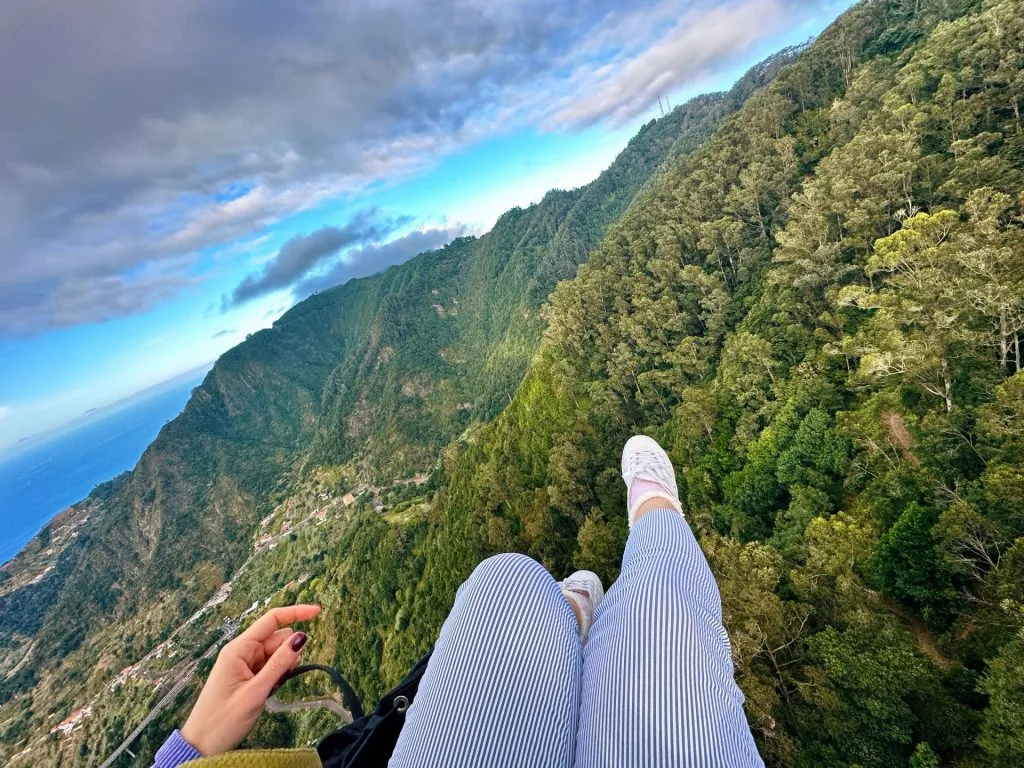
922	637
900	435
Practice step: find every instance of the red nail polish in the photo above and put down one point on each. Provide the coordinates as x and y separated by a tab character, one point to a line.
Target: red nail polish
298	640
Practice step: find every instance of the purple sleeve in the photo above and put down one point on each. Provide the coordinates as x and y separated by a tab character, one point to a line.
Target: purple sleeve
175	751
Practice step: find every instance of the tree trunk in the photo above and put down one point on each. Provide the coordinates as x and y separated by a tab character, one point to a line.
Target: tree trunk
1003	337
760	217
1016	348
947	387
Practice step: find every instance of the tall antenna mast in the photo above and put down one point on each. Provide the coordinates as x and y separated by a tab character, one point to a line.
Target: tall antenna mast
660	105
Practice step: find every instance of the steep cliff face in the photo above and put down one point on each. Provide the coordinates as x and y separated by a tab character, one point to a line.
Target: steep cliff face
454	331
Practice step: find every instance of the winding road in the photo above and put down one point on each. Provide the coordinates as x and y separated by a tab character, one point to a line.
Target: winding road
229	629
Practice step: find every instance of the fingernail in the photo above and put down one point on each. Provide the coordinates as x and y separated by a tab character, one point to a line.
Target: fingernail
298	640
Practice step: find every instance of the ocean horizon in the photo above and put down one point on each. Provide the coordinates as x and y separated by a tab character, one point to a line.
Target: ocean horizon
40	482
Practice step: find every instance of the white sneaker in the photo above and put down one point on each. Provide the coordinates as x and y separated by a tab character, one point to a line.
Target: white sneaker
584	592
647	469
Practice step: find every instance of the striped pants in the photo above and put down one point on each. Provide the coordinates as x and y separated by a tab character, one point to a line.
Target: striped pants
510	683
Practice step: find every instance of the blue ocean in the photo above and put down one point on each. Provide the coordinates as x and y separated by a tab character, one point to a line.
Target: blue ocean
43	480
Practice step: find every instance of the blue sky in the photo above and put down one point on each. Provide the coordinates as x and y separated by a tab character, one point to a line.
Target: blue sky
151	236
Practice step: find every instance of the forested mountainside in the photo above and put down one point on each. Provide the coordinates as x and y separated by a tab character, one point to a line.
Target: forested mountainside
370	379
818	312
815	304
451	337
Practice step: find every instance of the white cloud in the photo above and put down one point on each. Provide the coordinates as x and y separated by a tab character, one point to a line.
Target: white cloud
689	50
117	152
4	411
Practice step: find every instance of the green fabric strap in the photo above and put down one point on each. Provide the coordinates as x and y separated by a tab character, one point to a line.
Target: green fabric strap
260	758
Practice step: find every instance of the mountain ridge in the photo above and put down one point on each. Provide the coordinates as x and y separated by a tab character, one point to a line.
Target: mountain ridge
182	521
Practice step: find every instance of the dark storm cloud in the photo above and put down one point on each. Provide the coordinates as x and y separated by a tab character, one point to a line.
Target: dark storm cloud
89	299
371	259
125	122
303	253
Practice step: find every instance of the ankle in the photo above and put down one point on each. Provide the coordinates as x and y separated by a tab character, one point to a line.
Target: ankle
583	608
653	503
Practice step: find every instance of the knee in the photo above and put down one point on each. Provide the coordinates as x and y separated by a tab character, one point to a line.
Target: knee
514	585
509	579
499	570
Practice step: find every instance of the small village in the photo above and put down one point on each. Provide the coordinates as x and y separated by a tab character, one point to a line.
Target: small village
270	539
171	664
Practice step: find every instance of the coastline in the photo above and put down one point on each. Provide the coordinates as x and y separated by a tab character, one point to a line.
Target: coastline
50	479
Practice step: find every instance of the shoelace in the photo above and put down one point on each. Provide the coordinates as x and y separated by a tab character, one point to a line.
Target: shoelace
647	461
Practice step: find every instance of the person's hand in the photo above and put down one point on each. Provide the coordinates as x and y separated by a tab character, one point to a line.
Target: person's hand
245	674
